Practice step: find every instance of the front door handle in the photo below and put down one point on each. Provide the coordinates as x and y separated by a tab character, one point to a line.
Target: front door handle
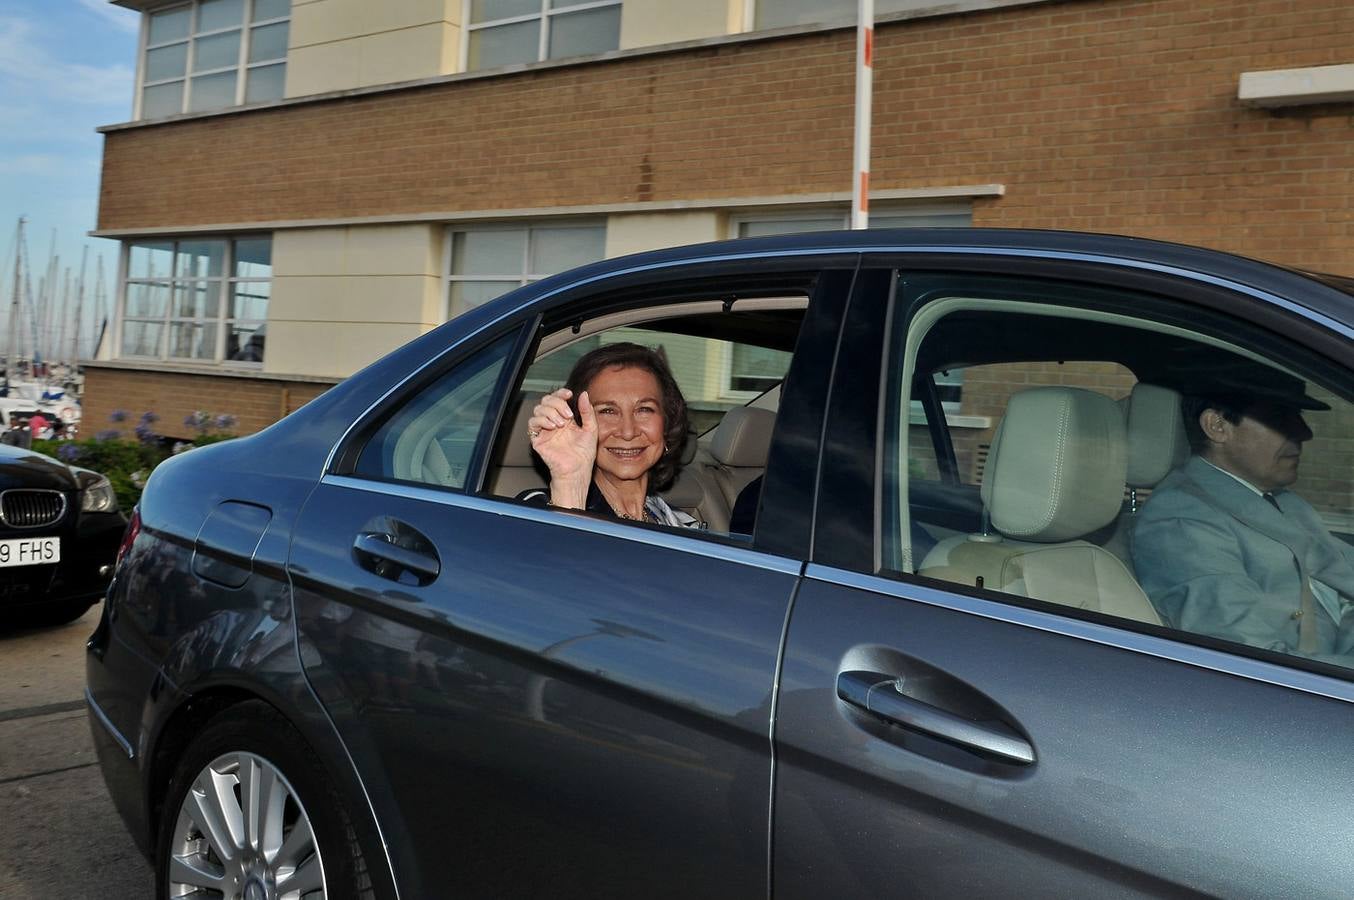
879	695
381	548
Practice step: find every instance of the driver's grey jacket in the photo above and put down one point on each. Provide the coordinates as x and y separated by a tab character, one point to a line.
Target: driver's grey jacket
1215	558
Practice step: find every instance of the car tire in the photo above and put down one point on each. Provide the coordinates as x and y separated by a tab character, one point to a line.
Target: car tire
250	785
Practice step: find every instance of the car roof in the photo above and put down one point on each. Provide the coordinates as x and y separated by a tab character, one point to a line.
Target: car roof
1329	296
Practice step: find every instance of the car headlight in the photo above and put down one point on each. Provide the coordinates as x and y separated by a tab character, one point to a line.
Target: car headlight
96	491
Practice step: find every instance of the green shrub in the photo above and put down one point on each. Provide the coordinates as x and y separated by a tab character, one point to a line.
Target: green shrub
127	462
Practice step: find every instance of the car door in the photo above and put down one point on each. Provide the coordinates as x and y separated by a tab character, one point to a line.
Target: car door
940	738
542	702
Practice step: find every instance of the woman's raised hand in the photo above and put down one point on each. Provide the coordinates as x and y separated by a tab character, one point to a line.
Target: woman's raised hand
569	451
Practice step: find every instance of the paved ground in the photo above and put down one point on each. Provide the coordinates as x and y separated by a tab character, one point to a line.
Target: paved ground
59	835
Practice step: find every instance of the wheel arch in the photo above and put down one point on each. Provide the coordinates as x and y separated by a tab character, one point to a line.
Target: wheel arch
187	719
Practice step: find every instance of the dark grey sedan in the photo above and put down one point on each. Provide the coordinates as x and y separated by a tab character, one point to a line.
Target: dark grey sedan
928	637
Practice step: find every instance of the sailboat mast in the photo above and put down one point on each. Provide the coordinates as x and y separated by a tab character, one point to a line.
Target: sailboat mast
12	354
74	358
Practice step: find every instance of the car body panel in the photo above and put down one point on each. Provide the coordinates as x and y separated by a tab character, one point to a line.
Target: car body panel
1159	768
526	687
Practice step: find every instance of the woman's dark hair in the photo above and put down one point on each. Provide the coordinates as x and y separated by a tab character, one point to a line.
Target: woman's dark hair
633	356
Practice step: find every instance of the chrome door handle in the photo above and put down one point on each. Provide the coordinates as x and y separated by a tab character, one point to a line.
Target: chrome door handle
382	546
877	694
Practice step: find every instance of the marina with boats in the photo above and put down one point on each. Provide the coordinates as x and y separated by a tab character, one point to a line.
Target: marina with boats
55	317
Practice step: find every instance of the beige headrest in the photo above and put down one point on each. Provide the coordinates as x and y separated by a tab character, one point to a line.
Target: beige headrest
1156	434
689	448
1056	468
743	437
517	452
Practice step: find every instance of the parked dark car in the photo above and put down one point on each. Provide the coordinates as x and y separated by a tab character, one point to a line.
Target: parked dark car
339	658
59	533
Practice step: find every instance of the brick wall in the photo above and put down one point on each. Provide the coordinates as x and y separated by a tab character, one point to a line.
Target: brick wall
254	402
1107	115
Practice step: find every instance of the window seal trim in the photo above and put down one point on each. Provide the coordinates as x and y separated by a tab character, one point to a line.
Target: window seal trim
700	543
1275	674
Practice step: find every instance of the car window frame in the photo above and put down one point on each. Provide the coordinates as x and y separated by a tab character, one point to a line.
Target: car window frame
786	497
345	461
853	549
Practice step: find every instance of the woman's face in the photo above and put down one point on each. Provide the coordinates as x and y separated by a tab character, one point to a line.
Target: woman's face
629	407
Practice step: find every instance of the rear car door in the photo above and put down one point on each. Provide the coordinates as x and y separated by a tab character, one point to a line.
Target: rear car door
544	702
937	737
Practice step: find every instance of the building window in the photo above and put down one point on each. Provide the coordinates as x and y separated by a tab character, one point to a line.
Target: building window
209	54
490	261
196	300
780	13
506	32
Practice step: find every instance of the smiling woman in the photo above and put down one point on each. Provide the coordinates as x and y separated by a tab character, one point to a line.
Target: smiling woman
623	443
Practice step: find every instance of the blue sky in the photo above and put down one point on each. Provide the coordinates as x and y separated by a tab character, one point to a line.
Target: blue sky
66	67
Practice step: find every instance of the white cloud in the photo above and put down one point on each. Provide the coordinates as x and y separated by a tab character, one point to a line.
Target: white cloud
28	69
122	19
35	164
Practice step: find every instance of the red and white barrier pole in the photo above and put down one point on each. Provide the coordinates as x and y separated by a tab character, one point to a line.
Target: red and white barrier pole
860	180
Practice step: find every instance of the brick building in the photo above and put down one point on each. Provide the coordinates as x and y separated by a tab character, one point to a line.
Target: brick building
308	184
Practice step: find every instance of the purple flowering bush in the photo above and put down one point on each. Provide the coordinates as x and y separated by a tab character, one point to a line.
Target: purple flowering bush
127	460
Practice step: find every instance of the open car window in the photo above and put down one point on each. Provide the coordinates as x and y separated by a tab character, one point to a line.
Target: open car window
722	360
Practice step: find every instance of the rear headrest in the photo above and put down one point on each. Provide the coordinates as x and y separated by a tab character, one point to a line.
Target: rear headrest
1056	468
1156	434
517	452
743	437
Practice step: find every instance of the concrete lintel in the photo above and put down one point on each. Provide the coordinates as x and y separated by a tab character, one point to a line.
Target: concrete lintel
1297	87
151	367
719	204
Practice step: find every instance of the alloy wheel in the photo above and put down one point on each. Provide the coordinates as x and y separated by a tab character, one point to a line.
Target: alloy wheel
242	834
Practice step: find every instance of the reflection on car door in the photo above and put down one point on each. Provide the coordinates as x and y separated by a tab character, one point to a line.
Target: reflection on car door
936	742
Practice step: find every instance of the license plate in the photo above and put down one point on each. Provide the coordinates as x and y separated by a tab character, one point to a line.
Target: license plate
30	551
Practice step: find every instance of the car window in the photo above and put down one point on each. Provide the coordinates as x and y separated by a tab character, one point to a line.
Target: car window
431	438
1188	473
717	373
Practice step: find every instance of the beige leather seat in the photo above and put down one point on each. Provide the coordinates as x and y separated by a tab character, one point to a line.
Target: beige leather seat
515	470
694	492
739	448
1156	445
1055	473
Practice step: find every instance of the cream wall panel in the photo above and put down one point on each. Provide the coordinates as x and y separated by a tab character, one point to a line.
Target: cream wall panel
351	298
405	55
321	68
359	250
335	349
308	251
645	23
637	232
325	21
394	250
375	54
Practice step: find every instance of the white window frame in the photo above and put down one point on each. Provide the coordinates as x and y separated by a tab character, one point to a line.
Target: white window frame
545	16
222	285
514	279
241	67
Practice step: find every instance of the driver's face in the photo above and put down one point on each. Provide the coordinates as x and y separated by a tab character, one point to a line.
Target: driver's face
1264	447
